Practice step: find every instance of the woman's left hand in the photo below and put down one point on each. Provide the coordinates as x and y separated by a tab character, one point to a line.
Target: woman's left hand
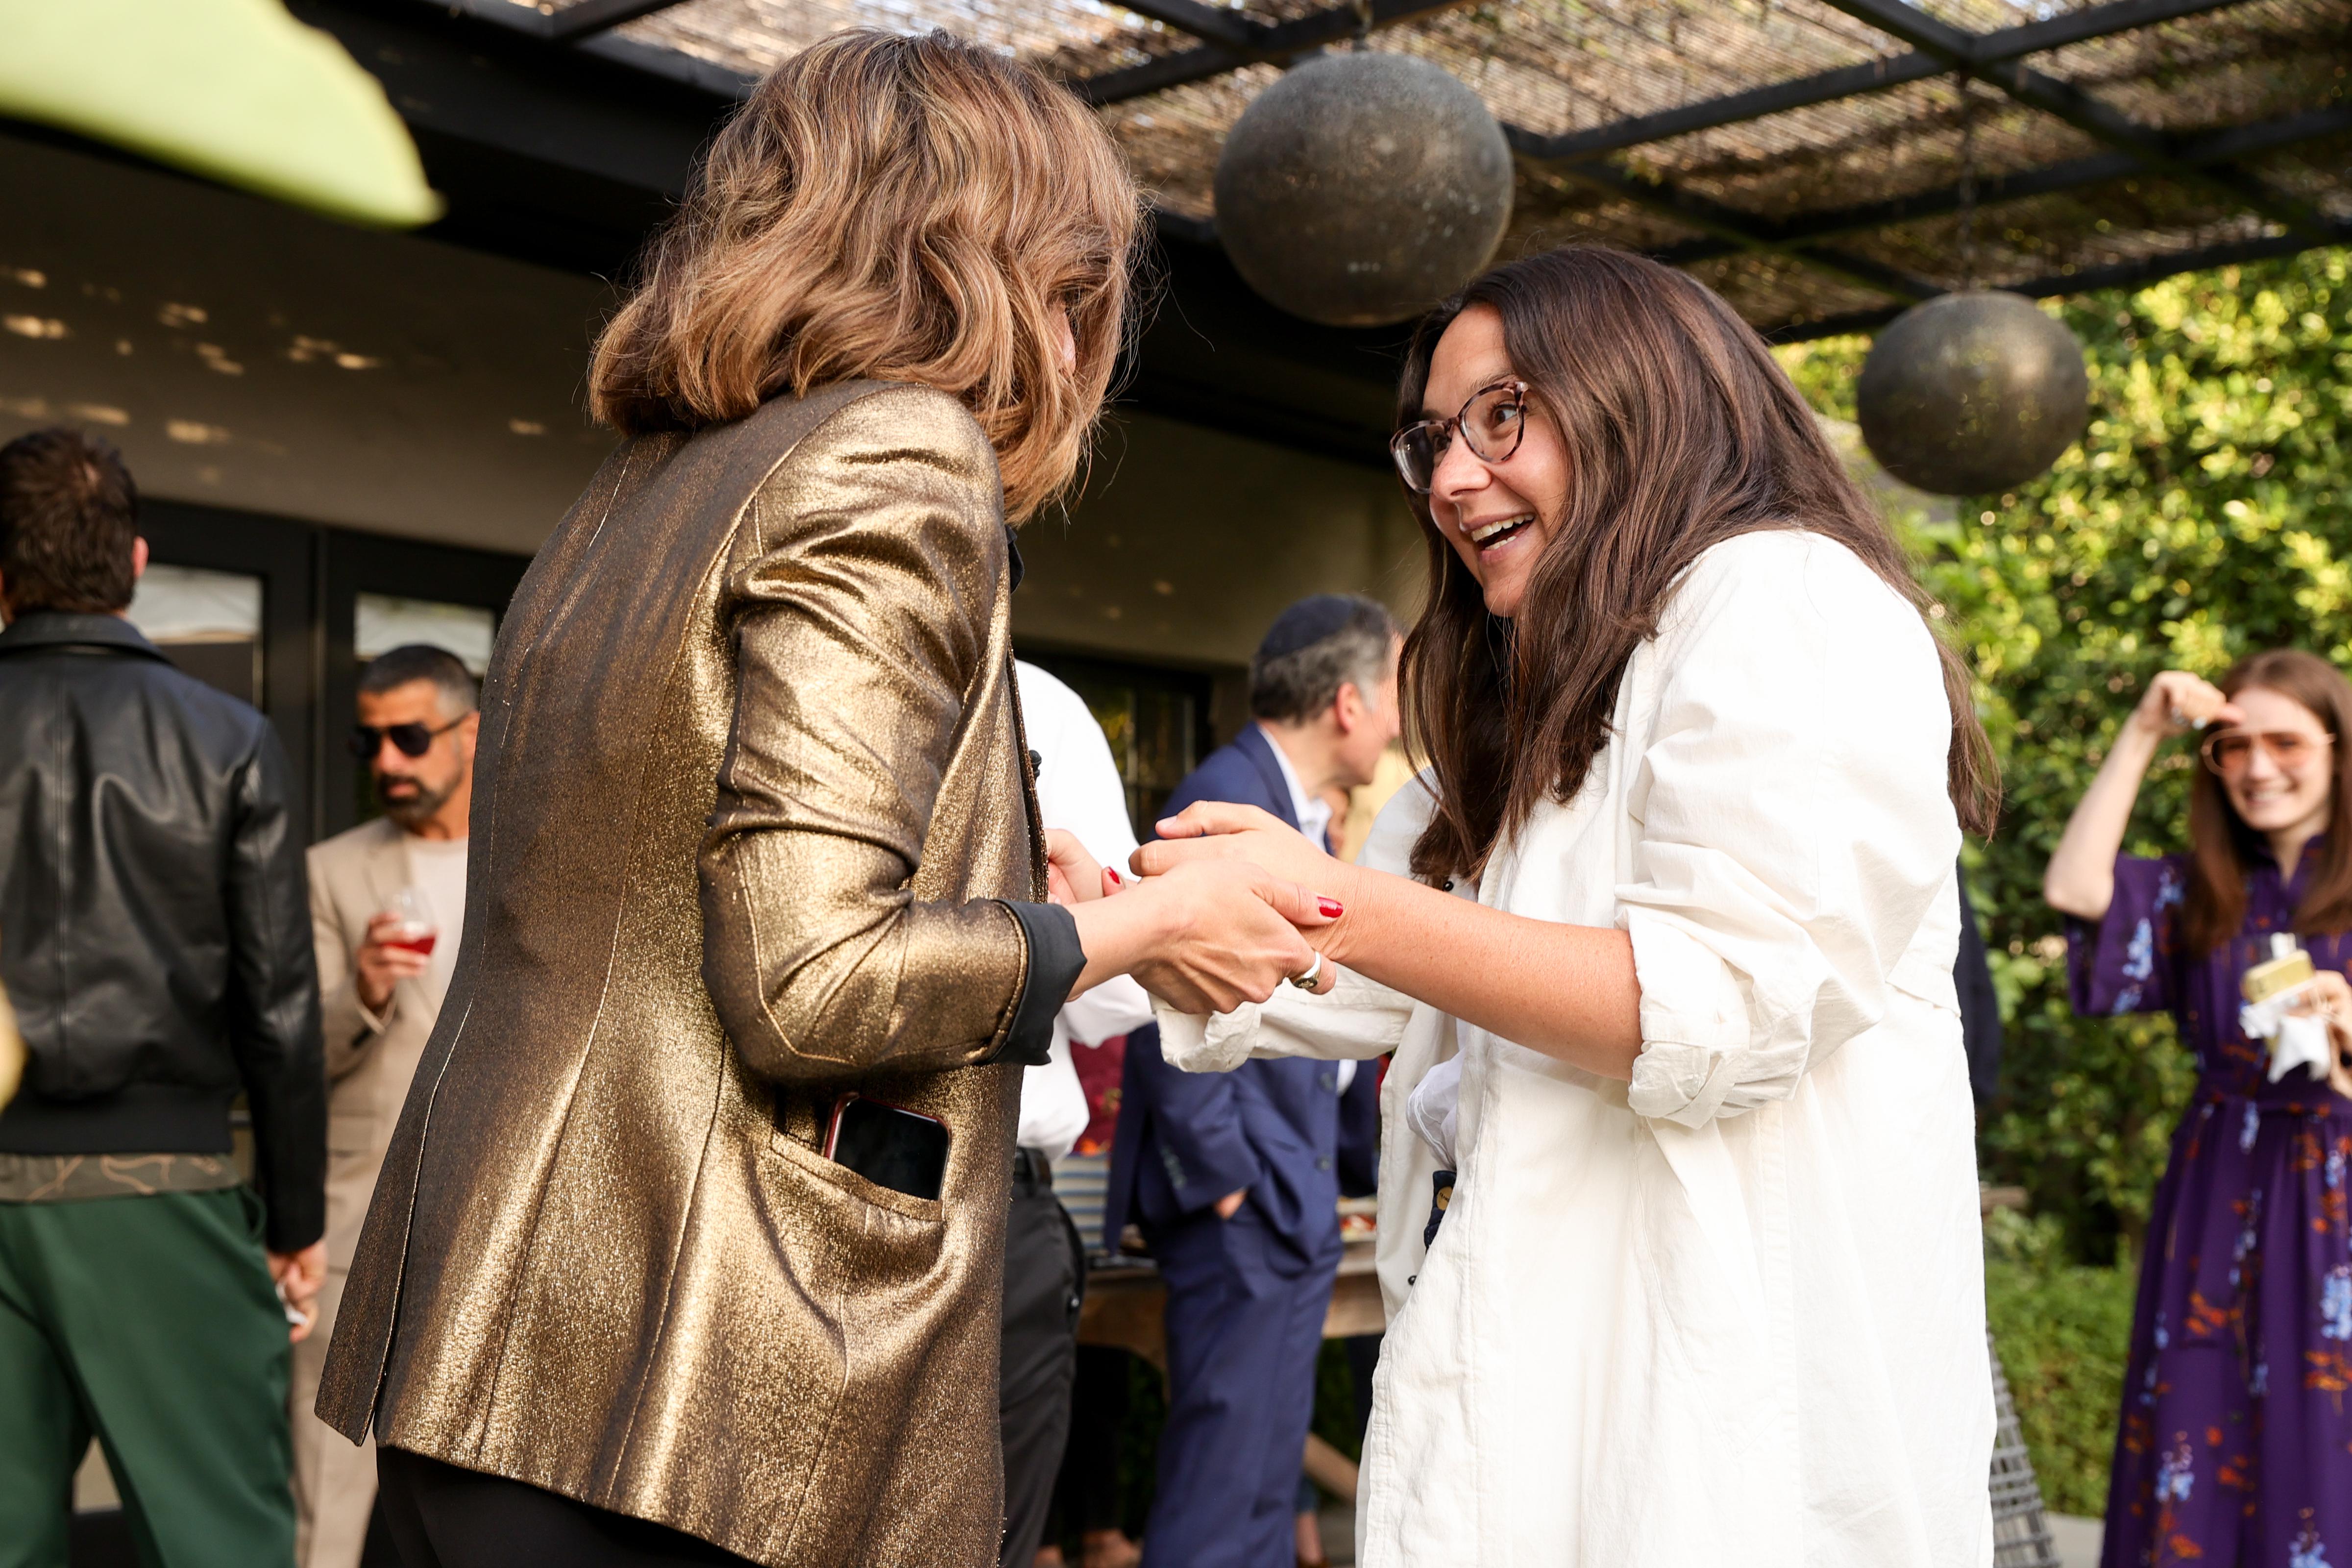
2329	994
1071	875
1213	830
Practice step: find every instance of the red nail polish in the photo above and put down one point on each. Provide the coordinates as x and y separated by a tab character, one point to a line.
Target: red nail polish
1331	908
1114	875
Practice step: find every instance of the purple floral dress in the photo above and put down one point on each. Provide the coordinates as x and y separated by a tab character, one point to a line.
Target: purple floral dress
2236	1448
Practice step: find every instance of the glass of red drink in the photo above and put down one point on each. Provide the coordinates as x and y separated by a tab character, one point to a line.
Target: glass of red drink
415	930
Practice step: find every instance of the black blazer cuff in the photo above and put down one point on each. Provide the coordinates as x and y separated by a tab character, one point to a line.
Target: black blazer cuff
1055	959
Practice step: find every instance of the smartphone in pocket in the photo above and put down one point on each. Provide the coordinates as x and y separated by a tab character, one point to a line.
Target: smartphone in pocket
890	1146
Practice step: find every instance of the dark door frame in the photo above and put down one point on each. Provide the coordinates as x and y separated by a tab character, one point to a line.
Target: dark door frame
284	554
355	563
312	577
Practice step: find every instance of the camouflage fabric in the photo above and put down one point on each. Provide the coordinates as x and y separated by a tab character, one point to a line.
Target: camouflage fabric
72	1178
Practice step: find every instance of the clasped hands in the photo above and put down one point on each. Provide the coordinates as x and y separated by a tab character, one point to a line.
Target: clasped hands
1229	903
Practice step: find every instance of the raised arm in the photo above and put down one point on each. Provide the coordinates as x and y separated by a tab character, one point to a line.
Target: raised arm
2081	877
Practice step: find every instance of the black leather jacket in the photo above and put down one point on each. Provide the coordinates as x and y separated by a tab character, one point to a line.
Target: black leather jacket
155	929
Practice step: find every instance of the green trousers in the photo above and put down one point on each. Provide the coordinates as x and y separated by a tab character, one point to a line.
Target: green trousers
151	1323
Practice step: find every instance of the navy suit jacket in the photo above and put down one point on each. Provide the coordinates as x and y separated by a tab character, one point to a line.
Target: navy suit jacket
1185	1140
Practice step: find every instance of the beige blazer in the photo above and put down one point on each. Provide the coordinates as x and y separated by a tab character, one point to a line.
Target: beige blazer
749	789
371	1057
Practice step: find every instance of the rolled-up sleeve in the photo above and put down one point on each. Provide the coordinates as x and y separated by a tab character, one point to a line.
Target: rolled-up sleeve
860	603
1791	821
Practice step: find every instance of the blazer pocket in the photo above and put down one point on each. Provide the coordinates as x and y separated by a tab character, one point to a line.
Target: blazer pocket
928	1212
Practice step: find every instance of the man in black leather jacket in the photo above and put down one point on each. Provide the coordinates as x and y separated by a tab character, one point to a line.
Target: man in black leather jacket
154	936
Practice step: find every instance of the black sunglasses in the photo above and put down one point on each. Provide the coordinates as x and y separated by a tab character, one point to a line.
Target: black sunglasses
413	740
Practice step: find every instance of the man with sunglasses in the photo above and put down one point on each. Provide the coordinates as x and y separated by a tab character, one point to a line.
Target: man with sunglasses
387	909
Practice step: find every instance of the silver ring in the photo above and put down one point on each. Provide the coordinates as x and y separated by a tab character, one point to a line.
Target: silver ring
1307	982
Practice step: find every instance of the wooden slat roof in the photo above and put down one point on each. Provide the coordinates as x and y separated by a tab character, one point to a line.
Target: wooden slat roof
1812	160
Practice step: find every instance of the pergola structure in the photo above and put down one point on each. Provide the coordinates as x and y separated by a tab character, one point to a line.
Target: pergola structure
1823	163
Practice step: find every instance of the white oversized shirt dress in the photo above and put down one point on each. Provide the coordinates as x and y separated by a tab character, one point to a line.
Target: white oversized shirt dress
1733	1312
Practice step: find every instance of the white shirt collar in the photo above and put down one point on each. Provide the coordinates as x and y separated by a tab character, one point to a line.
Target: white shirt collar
1314	813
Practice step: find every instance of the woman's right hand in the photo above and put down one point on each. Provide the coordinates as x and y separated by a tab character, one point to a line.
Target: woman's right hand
2080	879
2177	701
1207	936
2328	995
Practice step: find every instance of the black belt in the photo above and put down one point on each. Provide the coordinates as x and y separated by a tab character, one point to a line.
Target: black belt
1032	1172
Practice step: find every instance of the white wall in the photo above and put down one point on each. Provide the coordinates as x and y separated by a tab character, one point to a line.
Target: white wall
247	355
1189	541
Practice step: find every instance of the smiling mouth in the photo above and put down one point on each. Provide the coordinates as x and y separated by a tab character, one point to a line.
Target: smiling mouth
1485	536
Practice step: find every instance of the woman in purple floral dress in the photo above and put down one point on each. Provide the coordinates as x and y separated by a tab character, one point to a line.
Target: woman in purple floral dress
2235	1446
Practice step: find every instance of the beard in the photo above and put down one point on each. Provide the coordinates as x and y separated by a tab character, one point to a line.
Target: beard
408	810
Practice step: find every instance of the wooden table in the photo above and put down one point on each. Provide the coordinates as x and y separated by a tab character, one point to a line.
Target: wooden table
1126	1305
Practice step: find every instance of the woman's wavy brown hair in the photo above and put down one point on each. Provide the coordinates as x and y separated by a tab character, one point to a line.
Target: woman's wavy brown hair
912	209
2222	849
1680	432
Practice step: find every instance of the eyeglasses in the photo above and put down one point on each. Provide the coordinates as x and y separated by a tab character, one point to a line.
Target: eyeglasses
2233	751
1490	424
413	740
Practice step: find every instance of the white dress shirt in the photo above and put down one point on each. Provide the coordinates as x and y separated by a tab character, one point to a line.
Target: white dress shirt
1732	1311
1313	812
1079	792
436	869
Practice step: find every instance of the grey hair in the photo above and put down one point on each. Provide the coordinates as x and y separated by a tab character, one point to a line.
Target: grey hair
1300	685
422	661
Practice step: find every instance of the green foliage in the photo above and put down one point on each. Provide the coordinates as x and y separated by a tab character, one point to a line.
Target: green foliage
2207	512
2062	1329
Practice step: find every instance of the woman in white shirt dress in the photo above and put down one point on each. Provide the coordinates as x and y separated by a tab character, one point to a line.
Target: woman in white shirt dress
1671	915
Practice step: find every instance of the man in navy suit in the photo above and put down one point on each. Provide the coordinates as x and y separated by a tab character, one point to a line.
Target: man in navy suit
1231	1176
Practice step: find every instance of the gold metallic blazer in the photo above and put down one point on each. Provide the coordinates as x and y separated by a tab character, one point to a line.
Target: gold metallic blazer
751	774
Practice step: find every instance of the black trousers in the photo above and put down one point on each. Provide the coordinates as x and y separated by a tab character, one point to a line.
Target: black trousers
1045	1281
1088	1494
442	1517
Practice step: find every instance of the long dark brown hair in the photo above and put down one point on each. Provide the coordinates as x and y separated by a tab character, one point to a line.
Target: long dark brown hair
1680	432
2222	847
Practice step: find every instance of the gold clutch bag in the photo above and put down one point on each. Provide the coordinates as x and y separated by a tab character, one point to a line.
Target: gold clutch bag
2290	967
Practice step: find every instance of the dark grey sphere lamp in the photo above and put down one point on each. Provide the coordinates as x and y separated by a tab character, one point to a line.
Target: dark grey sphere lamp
1362	188
1973	392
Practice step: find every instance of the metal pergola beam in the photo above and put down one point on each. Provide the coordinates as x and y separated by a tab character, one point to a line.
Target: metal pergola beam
2074	173
580	19
584	17
1745	232
1870	76
2083	281
1277	42
2080	109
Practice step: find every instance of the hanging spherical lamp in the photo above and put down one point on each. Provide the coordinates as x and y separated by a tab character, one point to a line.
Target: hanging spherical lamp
1362	188
1971	393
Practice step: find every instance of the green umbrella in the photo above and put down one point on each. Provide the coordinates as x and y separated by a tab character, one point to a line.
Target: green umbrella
234	89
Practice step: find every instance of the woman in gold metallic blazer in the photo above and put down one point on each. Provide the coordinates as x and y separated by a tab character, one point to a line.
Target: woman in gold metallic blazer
755	829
